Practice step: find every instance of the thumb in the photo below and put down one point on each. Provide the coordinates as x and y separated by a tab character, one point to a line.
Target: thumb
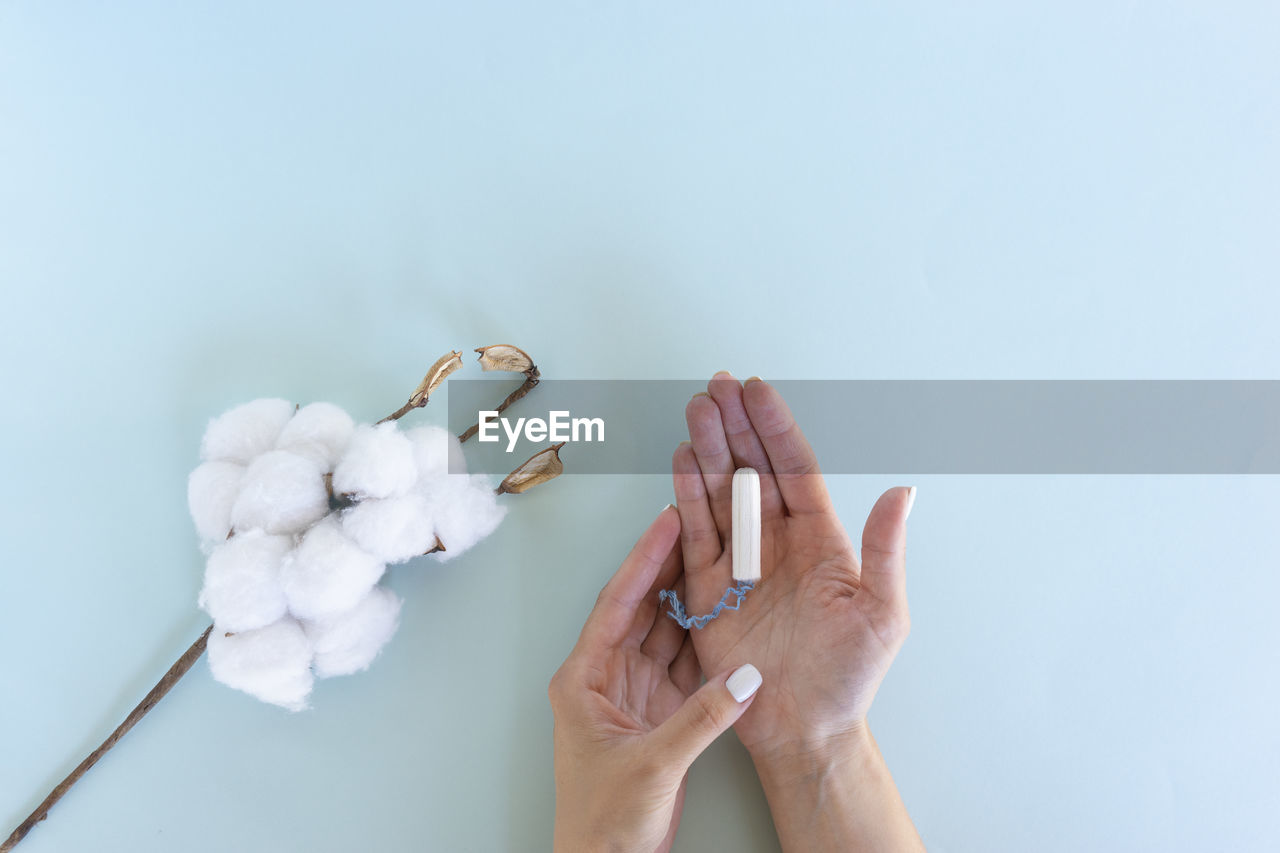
884	547
707	713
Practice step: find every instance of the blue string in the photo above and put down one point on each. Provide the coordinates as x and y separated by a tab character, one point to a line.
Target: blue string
684	620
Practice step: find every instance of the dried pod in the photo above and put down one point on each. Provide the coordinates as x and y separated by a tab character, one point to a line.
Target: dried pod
439	546
439	371
539	468
504	357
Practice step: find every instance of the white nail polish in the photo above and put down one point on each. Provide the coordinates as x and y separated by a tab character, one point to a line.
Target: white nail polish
911	501
744	682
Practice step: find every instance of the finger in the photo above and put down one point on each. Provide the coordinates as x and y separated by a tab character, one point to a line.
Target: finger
744	444
706	573
664	635
711	448
615	611
711	710
648	609
699	535
795	468
884	548
685	671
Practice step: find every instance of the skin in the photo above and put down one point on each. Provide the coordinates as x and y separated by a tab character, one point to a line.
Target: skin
629	715
822	626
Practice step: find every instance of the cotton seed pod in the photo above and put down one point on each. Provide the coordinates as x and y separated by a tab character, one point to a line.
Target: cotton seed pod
539	468
504	357
439	372
746	525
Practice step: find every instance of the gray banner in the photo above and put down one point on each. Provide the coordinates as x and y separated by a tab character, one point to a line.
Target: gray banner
905	427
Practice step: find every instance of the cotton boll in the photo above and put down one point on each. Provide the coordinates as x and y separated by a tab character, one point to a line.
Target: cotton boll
327	573
436	451
272	663
245	431
392	529
211	490
465	510
281	493
348	642
378	463
242	587
319	432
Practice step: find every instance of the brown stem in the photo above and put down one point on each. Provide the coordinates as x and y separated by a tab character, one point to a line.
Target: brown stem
400	412
170	678
531	379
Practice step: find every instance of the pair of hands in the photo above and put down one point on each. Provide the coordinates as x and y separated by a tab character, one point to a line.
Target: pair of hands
821	628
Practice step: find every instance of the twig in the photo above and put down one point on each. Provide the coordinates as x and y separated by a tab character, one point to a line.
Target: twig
170	678
531	380
400	412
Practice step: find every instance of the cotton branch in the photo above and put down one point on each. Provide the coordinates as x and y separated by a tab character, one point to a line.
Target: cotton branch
500	357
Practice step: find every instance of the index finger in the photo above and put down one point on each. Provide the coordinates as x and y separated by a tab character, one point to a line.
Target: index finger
610	620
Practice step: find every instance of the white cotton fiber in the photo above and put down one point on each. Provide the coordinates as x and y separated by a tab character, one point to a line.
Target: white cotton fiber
392	529
319	432
378	463
348	642
281	493
245	431
436	451
272	663
242	580
465	510
211	490
327	573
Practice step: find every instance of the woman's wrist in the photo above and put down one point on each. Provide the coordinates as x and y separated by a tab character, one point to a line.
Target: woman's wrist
834	793
811	754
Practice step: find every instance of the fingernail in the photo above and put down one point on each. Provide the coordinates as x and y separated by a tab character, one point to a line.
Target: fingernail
702	394
752	379
664	509
911	501
723	373
744	682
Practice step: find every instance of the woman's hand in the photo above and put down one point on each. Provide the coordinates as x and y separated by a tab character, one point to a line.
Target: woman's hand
629	715
822	625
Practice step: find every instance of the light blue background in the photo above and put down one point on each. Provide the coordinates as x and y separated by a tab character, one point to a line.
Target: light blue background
204	203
